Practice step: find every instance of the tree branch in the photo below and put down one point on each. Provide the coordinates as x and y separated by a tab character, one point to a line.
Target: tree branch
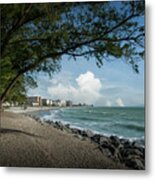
15	27
81	54
28	40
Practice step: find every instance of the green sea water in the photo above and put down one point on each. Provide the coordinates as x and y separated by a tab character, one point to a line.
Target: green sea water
126	122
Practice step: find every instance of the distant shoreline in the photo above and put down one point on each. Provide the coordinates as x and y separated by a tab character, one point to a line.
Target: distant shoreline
29	109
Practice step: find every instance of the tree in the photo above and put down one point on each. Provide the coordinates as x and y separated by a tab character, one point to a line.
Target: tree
35	37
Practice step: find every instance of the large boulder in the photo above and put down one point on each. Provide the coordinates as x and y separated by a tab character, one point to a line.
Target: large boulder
59	125
115	141
89	133
67	126
48	121
135	162
104	139
96	138
108	146
131	151
76	131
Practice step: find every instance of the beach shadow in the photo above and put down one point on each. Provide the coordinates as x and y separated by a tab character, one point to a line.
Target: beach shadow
16	131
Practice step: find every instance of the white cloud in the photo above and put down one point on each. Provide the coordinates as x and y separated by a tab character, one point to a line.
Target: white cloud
119	102
88	82
86	90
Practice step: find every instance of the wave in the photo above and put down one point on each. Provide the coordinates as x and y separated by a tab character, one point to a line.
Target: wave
51	115
83	117
132	126
105	122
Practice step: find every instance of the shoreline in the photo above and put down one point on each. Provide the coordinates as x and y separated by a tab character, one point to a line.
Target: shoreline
119	154
110	143
29	109
26	142
139	140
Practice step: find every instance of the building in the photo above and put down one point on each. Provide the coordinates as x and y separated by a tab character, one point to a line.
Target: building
34	101
56	102
50	102
47	102
69	103
38	101
62	103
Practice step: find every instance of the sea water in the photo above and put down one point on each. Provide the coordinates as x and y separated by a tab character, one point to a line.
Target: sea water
125	122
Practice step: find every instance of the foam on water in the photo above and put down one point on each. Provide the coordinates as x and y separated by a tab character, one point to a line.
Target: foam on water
122	122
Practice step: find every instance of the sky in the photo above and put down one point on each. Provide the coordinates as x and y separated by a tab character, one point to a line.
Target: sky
81	81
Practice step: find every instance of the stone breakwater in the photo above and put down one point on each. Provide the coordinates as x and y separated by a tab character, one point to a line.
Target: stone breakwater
120	150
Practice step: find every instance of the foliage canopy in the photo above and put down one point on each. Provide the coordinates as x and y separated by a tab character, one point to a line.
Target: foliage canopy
35	37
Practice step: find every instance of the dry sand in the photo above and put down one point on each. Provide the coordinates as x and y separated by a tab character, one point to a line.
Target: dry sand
25	142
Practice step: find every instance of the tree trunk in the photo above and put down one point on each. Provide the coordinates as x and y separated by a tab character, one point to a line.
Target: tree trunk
8	88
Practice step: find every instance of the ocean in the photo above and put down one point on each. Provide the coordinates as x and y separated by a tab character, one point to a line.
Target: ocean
124	122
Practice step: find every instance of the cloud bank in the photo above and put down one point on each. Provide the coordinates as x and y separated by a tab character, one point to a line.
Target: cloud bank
87	88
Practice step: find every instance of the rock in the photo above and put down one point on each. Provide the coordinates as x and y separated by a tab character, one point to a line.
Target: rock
134	162
34	117
89	133
55	126
104	139
138	143
67	126
83	133
38	119
115	141
96	138
117	155
107	152
78	136
125	152
59	125
48	121
51	123
126	143
137	152
30	115
109	146
141	149
104	142
76	131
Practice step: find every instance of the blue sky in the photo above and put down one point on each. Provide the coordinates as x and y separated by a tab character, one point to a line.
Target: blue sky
114	84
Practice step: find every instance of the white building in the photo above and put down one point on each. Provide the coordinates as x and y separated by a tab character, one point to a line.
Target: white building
62	103
45	102
34	101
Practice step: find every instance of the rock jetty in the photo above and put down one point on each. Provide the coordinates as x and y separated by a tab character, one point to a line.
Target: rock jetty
121	150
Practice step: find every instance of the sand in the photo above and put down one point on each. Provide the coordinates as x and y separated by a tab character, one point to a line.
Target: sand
26	143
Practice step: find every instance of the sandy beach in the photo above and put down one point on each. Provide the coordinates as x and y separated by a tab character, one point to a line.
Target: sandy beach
26	142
